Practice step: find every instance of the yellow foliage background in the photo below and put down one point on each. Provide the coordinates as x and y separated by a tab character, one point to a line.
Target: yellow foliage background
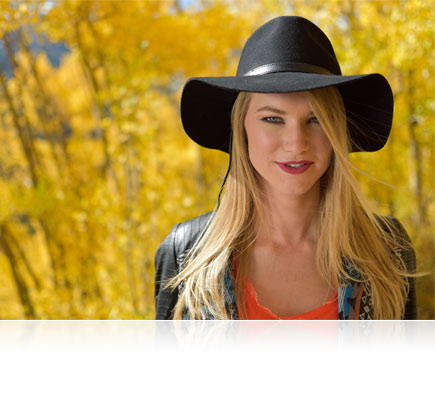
95	168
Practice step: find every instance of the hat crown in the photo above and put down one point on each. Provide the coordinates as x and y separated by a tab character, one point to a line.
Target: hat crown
292	42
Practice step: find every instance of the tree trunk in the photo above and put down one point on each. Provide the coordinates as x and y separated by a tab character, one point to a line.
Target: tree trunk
15	244
23	291
415	150
50	118
23	133
99	109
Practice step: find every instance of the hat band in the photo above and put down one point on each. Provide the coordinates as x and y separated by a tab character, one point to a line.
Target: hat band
288	67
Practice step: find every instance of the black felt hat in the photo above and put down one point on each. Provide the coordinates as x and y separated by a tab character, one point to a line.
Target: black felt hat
287	54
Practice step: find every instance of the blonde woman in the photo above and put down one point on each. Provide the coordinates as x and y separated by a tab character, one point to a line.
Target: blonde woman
292	236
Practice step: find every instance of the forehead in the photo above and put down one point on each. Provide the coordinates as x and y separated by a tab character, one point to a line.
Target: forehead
280	100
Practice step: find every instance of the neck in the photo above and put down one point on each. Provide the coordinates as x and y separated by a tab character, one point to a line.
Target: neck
289	220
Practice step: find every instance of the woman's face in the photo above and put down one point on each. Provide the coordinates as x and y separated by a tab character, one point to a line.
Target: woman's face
287	146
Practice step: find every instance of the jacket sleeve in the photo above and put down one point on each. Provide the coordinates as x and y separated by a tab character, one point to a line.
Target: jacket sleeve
408	256
165	268
182	237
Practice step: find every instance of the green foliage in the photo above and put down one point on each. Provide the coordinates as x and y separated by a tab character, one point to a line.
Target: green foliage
95	168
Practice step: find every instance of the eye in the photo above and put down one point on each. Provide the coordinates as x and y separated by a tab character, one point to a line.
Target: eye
313	120
272	120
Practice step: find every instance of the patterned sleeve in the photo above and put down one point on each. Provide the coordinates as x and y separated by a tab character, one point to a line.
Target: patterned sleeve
408	256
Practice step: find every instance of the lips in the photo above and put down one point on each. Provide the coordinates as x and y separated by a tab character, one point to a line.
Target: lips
295	167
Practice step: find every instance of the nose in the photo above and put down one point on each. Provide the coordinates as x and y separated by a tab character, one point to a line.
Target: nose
295	139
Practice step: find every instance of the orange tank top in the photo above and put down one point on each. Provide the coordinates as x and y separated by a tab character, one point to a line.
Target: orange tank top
327	311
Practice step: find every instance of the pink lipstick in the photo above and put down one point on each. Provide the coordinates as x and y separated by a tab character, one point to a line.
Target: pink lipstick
295	167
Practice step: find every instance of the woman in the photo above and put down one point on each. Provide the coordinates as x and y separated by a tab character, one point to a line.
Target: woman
292	236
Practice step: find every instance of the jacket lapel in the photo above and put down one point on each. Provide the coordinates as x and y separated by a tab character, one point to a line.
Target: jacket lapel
354	301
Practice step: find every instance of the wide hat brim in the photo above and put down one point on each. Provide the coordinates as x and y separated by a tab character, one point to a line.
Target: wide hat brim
206	104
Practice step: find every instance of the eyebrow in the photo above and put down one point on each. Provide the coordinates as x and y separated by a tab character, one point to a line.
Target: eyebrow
276	110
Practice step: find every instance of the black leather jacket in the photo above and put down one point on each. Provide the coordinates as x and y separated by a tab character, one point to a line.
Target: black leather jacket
171	253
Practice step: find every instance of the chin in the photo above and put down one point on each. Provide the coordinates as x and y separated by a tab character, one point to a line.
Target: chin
293	191
302	189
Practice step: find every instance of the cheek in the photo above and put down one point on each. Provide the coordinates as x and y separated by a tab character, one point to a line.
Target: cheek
258	141
257	148
324	147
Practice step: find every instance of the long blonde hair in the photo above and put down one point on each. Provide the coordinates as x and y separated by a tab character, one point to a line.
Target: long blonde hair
349	229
